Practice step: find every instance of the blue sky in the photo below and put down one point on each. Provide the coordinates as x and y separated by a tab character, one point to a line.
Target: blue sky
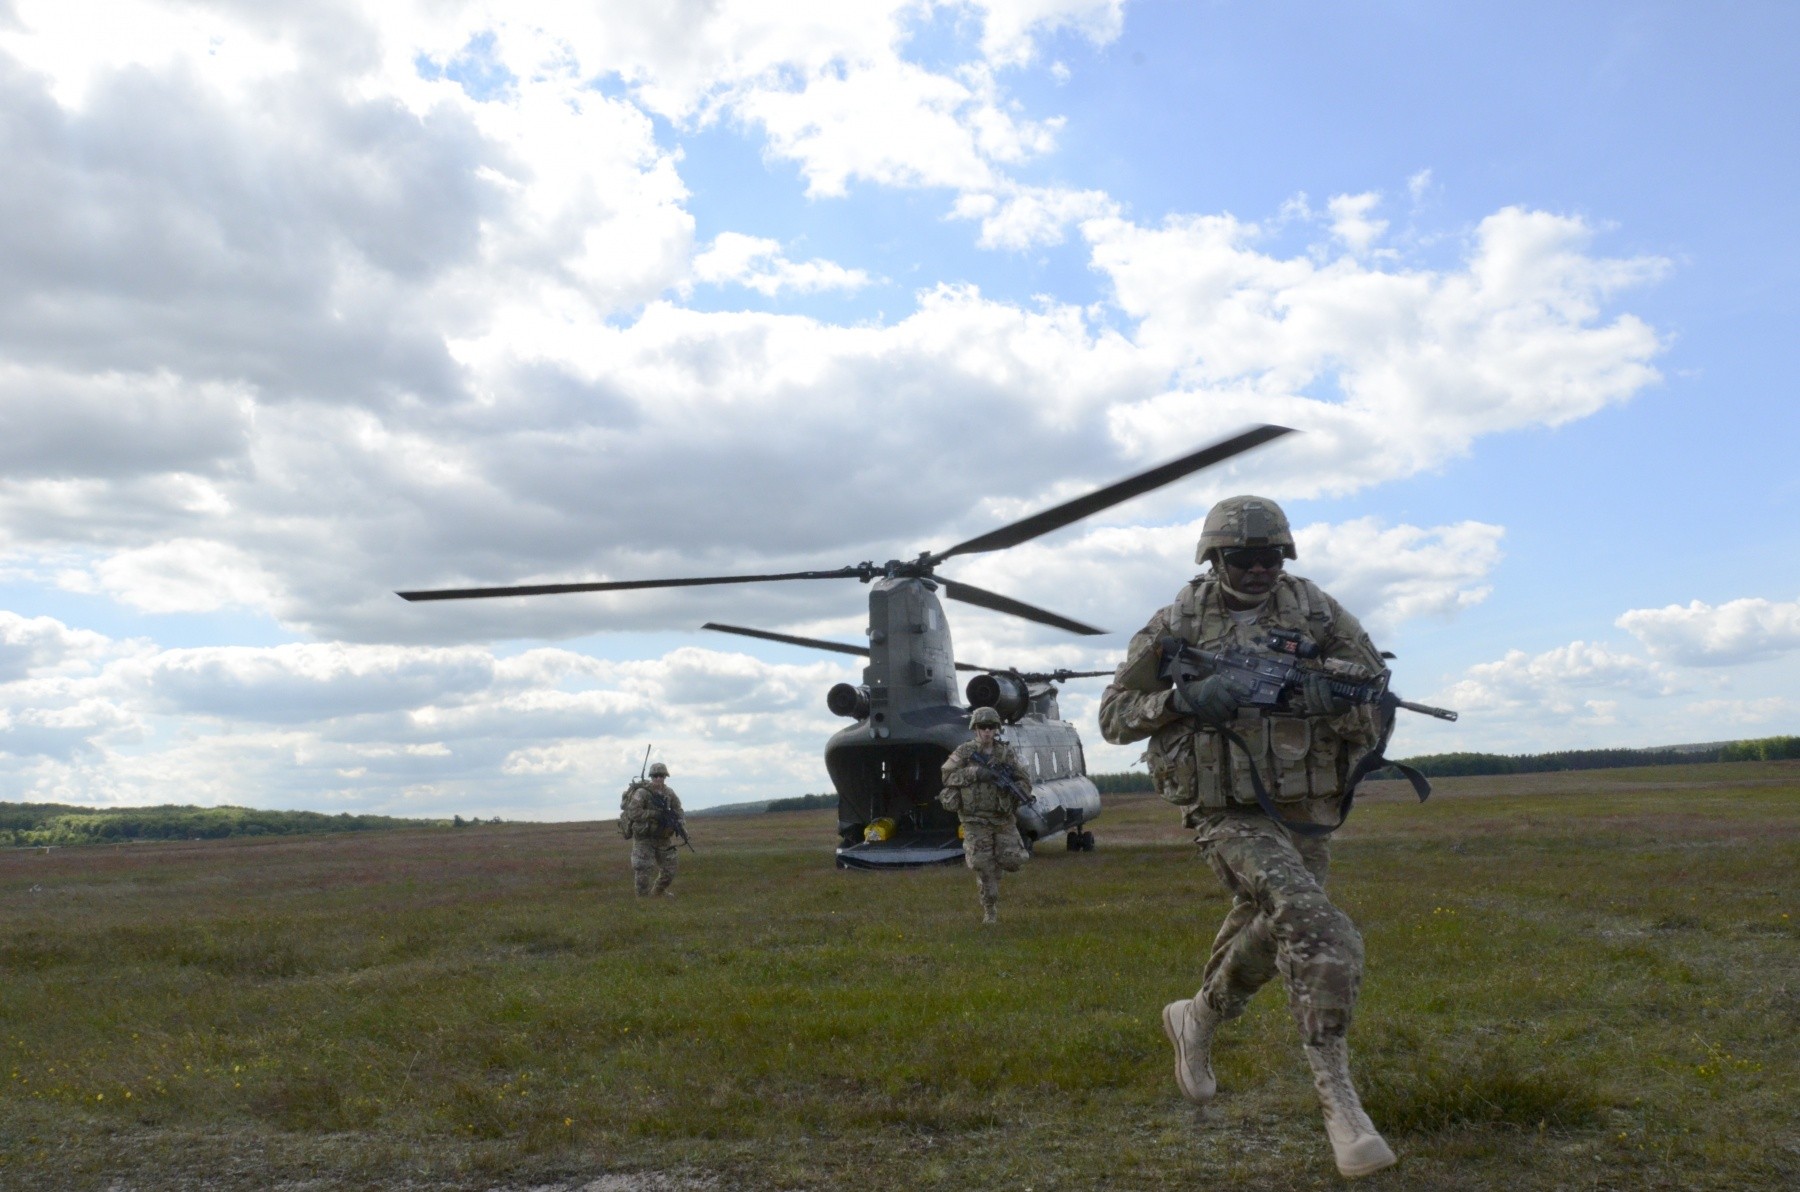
301	306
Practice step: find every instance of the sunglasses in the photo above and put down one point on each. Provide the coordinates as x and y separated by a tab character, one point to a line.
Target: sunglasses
1269	558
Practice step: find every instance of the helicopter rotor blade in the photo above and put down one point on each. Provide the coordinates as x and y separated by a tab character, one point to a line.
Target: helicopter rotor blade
789	639
1059	516
970	594
625	585
818	643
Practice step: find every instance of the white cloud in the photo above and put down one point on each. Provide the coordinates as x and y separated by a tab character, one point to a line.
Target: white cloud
1010	31
57	422
1552	680
184	575
1391	370
1352	223
1700	634
894	124
1024	217
1388	575
35	645
414	730
758	263
1590	694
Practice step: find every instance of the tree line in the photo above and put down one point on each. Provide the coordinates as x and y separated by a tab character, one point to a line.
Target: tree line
1459	765
31	824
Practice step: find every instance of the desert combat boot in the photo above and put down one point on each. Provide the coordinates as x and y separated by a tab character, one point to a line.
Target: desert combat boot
1359	1150
1190	1024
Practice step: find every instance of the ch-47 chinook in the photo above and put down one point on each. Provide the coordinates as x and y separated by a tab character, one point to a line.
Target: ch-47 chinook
906	714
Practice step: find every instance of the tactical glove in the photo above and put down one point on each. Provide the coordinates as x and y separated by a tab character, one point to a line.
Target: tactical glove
1213	700
1318	699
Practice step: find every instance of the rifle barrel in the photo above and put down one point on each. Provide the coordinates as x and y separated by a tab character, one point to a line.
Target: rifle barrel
1427	709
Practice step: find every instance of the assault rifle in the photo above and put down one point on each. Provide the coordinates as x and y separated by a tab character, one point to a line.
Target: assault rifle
668	821
1004	781
1272	680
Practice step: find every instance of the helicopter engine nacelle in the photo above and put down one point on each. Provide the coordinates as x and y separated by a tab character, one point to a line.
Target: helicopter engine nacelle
1005	694
847	700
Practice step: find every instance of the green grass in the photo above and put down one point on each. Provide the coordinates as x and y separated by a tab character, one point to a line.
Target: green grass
1575	980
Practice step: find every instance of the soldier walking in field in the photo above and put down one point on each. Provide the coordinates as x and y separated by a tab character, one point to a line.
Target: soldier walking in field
983	784
1210	755
650	817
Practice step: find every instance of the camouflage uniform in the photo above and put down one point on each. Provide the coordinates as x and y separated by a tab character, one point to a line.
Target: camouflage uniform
990	836
1280	921
653	849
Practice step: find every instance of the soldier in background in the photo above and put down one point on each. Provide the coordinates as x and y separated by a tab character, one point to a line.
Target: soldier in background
976	778
649	814
1280	920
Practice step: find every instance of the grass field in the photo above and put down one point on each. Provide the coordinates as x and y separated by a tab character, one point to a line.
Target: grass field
1576	980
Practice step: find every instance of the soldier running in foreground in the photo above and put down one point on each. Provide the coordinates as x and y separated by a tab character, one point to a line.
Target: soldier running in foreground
1270	852
650	817
983	783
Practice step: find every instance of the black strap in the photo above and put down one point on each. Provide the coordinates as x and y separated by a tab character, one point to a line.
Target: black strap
1268	806
1370	762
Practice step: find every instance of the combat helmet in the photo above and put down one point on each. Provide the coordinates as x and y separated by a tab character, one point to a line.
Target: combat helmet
658	770
984	717
1245	521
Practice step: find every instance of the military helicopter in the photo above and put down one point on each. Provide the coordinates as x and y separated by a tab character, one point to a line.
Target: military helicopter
906	716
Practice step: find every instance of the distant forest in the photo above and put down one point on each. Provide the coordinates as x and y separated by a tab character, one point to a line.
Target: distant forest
35	824
1456	765
802	803
29	824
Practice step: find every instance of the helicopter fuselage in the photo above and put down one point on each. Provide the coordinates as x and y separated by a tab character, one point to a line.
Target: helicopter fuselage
909	716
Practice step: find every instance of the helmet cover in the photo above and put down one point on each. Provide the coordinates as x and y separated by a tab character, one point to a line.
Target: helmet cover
1245	521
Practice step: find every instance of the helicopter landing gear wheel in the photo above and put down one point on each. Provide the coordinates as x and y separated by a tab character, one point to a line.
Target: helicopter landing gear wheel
1087	842
1072	842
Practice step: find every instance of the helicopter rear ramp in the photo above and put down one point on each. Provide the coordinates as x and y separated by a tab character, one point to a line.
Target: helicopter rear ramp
907	853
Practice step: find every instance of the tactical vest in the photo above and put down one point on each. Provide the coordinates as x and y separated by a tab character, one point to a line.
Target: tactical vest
1304	762
980	798
640	818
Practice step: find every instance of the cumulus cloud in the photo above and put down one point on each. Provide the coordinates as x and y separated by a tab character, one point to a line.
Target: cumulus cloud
450	351
1389	575
1710	674
1551	680
1026	216
180	576
35	645
416	730
1012	27
758	263
1700	634
1390	369
1352	222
